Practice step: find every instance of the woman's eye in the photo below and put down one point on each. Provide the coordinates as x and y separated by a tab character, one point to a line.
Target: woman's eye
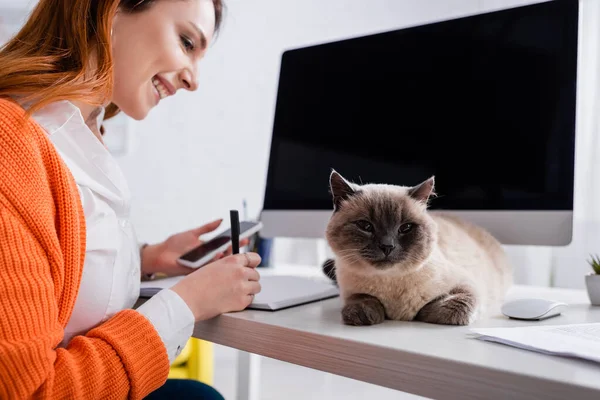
365	225
405	228
187	43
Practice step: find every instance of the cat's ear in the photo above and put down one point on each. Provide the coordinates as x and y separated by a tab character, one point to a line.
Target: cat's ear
341	189
423	190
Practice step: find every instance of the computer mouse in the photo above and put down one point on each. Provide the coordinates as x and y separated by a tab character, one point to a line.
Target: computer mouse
532	309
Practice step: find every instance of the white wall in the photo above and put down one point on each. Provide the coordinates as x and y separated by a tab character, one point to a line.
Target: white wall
199	154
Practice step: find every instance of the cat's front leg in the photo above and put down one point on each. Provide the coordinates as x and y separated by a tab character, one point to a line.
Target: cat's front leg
363	309
458	307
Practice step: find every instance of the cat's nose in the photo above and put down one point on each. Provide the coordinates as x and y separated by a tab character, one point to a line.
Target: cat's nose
386	248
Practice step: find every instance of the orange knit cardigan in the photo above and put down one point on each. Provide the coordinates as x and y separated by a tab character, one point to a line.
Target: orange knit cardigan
42	248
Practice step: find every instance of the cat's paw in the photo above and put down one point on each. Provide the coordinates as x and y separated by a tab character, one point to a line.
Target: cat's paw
458	307
363	309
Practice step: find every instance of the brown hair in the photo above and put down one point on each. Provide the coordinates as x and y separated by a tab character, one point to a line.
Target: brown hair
48	60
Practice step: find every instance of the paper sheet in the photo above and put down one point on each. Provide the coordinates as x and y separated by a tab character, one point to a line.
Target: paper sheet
578	340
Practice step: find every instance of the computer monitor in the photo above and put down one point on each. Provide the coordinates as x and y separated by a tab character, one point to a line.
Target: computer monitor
486	103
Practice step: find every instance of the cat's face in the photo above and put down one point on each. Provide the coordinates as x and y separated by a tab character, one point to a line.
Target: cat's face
381	226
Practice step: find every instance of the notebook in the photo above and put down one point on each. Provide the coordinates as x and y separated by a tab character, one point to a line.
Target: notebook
278	291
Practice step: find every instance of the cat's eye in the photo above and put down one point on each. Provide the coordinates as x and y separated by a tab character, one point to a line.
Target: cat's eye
364	225
405	228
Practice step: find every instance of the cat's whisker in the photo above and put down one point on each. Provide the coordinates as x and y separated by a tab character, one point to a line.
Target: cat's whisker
349	253
330	274
351	250
351	258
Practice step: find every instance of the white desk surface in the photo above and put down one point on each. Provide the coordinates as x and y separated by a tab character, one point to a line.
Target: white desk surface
428	360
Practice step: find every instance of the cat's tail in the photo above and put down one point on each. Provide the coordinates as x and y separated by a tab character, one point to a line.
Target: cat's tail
329	269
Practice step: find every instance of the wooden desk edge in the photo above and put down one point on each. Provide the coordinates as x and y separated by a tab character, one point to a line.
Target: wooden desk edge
404	371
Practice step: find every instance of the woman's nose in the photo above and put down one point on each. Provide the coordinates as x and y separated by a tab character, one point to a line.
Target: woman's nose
188	80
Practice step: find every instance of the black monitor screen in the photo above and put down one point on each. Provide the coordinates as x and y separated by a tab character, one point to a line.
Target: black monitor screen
486	103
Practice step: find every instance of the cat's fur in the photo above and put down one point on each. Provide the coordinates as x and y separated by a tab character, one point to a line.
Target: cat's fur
441	269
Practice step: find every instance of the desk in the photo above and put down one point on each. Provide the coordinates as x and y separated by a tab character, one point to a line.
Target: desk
424	359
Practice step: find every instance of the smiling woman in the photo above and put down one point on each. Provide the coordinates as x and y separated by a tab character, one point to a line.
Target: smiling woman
70	264
156	49
152	41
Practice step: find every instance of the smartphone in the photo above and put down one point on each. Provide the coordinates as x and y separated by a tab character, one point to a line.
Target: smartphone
202	254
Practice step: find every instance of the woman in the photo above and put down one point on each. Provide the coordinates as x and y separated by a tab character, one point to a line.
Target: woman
69	262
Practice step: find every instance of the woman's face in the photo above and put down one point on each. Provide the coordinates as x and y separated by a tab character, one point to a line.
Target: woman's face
156	52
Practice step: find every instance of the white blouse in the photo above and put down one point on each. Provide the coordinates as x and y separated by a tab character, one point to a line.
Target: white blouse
111	272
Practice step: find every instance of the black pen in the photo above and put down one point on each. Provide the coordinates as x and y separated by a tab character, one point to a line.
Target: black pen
235	231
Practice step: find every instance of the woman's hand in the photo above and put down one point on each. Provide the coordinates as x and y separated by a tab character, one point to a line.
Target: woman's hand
226	285
162	257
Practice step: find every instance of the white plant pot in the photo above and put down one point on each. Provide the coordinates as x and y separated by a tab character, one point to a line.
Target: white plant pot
592	281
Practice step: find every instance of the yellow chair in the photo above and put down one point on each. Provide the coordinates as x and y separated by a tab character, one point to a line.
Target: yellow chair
196	361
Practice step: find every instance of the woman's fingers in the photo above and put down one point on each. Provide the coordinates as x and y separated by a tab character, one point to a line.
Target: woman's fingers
249	259
253	287
252	274
243	242
207	228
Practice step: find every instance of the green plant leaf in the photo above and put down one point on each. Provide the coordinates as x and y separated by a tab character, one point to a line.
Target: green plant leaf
594	262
